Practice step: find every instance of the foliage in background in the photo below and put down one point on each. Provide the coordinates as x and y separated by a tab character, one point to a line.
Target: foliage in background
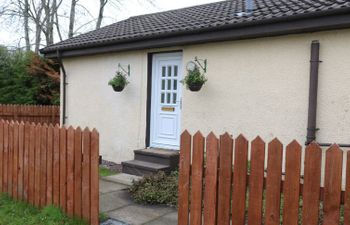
26	78
20	213
156	189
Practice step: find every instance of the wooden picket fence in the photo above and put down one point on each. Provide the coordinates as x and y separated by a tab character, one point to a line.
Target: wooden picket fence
45	165
31	113
213	186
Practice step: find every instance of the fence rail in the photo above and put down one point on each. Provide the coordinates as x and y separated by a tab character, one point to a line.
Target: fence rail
244	193
31	113
45	165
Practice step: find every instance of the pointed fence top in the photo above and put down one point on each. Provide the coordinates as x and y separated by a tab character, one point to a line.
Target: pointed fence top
94	131
275	141
86	129
333	148
258	140
242	138
198	134
212	136
294	144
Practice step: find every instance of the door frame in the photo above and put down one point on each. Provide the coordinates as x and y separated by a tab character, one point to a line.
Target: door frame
149	93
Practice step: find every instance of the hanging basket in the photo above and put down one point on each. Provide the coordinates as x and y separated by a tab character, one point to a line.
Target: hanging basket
195	87
118	88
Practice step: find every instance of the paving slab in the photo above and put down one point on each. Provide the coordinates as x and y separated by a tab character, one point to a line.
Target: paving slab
168	219
114	200
139	214
106	187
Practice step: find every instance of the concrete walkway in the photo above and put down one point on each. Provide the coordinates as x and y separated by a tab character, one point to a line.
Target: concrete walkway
115	201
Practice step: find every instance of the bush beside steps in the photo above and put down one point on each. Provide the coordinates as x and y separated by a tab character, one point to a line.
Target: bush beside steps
156	189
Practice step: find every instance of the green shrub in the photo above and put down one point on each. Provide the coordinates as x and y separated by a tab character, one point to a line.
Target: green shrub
156	189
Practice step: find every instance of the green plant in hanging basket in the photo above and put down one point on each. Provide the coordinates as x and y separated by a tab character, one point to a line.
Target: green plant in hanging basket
119	82
194	79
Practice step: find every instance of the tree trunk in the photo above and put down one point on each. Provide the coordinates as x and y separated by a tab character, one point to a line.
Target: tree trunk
100	13
26	24
38	28
72	18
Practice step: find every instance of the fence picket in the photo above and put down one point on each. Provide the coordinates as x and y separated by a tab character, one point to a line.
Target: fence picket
273	182
31	163
347	192
94	163
1	153
37	166
5	156
291	188
225	179
70	171
77	172
15	161
197	179
210	193
63	169
184	178
86	175
43	165
10	160
20	160
332	186
26	161
311	187
49	165
240	180
256	182
56	166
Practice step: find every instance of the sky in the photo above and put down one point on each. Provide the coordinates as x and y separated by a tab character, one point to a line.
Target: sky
11	35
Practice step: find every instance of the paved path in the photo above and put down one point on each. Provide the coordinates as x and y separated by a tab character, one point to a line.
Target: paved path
117	204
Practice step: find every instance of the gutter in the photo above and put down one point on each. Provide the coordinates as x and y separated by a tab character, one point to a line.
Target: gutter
64	83
327	15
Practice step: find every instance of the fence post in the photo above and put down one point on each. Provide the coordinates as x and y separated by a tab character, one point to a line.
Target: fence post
184	178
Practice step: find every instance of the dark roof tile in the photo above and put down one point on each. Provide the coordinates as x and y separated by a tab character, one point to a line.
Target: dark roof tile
196	18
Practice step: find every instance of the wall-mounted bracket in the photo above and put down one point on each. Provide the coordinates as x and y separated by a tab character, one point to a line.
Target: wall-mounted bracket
124	69
202	63
197	63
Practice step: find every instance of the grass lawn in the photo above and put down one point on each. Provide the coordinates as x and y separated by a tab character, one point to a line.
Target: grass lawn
20	213
105	172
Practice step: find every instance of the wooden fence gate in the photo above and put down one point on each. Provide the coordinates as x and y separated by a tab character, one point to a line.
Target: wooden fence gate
214	190
45	165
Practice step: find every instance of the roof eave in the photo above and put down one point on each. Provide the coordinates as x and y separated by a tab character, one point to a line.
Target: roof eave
254	30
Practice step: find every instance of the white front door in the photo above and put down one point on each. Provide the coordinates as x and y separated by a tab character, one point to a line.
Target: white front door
166	101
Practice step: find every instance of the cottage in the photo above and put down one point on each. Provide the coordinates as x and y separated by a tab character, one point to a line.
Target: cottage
255	54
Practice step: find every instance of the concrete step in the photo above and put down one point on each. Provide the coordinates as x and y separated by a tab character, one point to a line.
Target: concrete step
159	156
141	168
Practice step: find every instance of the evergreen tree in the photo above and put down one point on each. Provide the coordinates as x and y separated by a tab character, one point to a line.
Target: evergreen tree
22	81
